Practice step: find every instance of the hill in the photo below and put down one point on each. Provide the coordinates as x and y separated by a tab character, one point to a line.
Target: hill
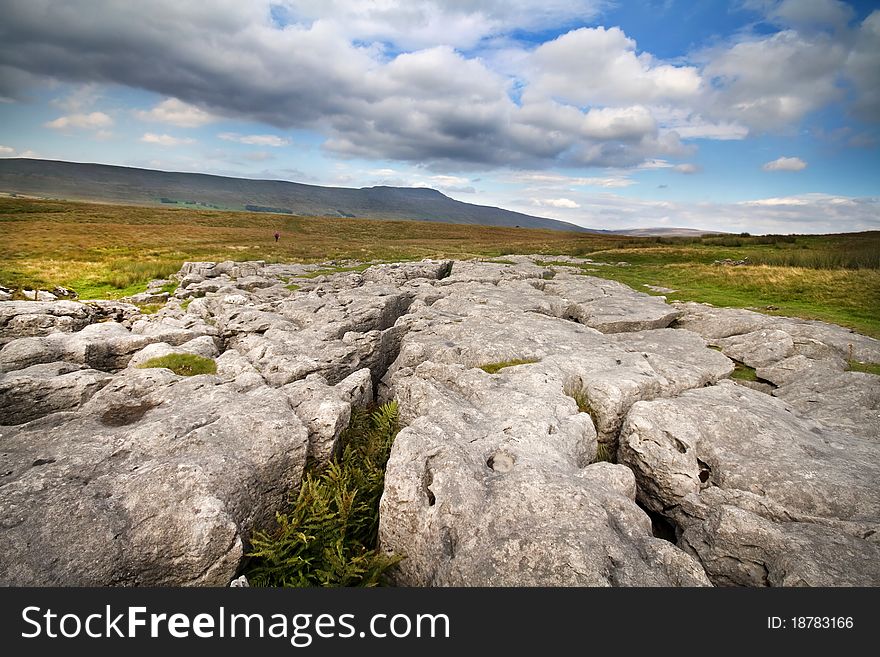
113	184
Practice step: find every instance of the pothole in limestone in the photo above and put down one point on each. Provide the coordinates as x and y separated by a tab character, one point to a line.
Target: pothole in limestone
501	462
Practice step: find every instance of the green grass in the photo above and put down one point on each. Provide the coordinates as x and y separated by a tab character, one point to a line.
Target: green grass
743	372
185	303
170	288
867	368
150	308
494	368
329	535
500	261
110	251
577	392
183	364
293	287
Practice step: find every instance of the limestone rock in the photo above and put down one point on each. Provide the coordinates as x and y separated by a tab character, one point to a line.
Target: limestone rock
758	492
39	390
490	486
158	480
20	319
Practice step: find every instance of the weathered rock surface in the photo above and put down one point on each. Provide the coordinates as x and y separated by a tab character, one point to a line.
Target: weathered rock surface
490	485
19	319
39	390
156	480
111	474
761	495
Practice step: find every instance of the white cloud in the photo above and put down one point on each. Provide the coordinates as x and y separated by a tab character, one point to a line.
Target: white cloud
687	167
92	121
785	164
447	85
6	151
255	140
806	213
555	203
600	66
165	140
176	112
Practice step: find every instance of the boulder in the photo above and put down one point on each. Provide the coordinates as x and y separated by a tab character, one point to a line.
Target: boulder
157	480
39	390
491	485
19	319
761	495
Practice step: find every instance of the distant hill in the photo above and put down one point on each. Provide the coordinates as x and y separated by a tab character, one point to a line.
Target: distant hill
113	184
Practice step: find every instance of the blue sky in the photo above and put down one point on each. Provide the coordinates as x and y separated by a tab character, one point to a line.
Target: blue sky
758	115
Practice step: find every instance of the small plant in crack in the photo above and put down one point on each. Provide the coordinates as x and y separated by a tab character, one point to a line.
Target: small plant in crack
328	535
494	368
183	364
575	389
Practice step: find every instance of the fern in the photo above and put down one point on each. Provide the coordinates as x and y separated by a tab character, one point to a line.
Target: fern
329	534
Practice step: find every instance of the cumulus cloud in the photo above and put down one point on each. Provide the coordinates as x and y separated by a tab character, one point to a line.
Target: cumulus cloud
785	164
166	140
6	151
176	112
416	81
92	121
255	140
600	66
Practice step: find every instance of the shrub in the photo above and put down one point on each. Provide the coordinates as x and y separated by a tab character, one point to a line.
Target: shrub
183	364
329	535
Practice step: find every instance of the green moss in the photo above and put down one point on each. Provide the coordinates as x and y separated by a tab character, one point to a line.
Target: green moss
867	368
293	287
743	372
329	535
169	288
494	368
183	364
185	304
150	308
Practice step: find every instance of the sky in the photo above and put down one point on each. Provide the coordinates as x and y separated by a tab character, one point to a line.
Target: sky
750	115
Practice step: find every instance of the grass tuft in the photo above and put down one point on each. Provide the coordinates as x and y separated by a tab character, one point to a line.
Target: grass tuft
743	372
867	368
329	535
183	364
494	368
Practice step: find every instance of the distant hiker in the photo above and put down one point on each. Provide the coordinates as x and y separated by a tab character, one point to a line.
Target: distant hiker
277	235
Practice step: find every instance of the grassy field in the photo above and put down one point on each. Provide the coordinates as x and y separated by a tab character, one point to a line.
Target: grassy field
111	251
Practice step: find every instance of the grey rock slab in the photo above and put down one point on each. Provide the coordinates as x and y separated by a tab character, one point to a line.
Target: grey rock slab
20	319
726	446
39	390
158	481
758	348
609	306
790	369
489	486
614	371
848	401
